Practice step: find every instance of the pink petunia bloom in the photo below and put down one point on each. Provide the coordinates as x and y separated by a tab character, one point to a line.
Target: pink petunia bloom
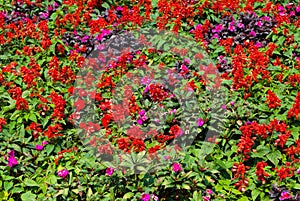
12	161
200	122
240	25
176	167
145	197
110	171
259	23
298	9
39	147
206	198
63	173
285	195
231	28
209	191
218	28
252	33
298	171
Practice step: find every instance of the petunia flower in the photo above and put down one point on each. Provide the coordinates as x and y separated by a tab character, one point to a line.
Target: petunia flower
285	195
200	122
110	171
63	173
39	147
176	167
145	197
298	171
252	33
12	161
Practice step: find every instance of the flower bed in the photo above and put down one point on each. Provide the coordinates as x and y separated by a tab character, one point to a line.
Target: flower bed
149	100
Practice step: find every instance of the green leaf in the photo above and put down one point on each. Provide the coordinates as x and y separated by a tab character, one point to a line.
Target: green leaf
8	185
28	196
254	194
274	157
128	195
30	182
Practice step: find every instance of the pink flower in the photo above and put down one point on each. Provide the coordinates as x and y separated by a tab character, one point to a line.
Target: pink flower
176	167
110	171
259	23
39	147
298	9
12	161
145	197
209	191
285	195
200	122
63	173
232	103
139	121
218	28
240	25
224	107
44	143
206	198
298	171
231	28
252	33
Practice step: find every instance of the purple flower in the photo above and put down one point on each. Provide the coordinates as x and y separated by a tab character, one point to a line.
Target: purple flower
240	25
167	157
292	13
145	197
285	195
258	44
146	80
215	35
187	60
110	171
206	198
12	161
140	121
55	5
142	112
63	173
231	28
252	33
232	103
224	107
200	122
39	147
176	167
266	18
154	197
218	28
280	8
249	122
298	171
44	143
259	23
209	191
298	9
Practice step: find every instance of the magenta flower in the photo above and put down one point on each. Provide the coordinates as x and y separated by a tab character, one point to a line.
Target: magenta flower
200	122
259	23
44	143
231	28
176	167
206	198
240	25
218	28
252	33
224	107
12	161
63	173
209	191
139	121
142	112
298	171
39	147
285	195
187	60
110	171
145	197
298	9
232	103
